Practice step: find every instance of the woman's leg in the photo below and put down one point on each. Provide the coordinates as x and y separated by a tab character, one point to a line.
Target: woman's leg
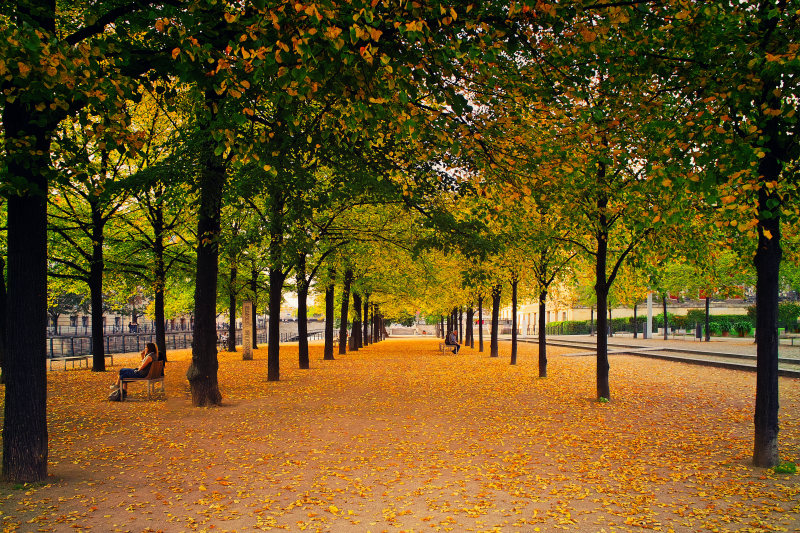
126	373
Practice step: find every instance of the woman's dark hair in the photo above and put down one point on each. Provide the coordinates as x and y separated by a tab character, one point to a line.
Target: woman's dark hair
151	348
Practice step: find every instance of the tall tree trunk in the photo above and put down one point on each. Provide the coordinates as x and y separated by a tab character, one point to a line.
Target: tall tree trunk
601	291
470	339
767	262
343	316
635	323
159	281
96	268
3	303
480	324
302	313
27	146
202	373
365	320
356	344
232	310
494	349
276	279
542	334
708	319
329	317
514	283
666	320
375	326
254	314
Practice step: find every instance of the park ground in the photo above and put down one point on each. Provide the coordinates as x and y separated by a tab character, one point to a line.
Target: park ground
399	437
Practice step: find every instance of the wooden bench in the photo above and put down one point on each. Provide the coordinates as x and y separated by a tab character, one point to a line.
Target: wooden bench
443	346
155	375
73	358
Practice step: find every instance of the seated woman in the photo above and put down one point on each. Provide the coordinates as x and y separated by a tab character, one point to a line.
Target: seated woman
149	355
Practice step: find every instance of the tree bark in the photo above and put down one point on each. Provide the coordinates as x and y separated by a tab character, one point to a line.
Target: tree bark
329	318
480	324
494	348
470	338
514	283
96	268
708	319
635	323
375	324
666	320
542	334
343	316
276	279
302	313
159	281
202	373
601	291
27	146
3	303
254	314
365	320
356	344
232	310
767	262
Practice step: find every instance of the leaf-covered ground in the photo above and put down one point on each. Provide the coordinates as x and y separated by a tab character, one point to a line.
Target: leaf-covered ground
399	437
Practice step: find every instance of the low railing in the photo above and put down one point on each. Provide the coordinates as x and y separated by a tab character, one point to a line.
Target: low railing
69	346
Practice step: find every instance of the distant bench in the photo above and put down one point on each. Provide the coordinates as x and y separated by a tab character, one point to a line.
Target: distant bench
83	359
790	336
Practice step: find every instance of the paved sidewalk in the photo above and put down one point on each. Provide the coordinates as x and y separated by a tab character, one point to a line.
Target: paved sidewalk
737	345
726	352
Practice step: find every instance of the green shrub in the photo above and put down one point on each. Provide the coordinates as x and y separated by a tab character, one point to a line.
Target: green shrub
787	314
696	316
742	328
679	321
658	320
725	326
714	328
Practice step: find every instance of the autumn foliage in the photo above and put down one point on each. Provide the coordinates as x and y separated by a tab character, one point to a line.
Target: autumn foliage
398	437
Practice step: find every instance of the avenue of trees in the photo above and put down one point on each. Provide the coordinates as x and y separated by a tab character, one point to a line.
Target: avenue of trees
392	158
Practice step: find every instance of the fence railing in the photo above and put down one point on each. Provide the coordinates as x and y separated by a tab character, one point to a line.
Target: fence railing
67	346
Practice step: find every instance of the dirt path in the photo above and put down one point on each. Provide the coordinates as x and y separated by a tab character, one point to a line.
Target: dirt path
398	437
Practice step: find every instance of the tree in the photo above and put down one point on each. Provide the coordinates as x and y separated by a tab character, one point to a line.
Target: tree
54	77
742	136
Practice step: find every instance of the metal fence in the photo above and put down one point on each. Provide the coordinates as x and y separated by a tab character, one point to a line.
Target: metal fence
67	346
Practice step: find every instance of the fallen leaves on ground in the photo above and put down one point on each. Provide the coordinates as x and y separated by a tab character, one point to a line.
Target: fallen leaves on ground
398	437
